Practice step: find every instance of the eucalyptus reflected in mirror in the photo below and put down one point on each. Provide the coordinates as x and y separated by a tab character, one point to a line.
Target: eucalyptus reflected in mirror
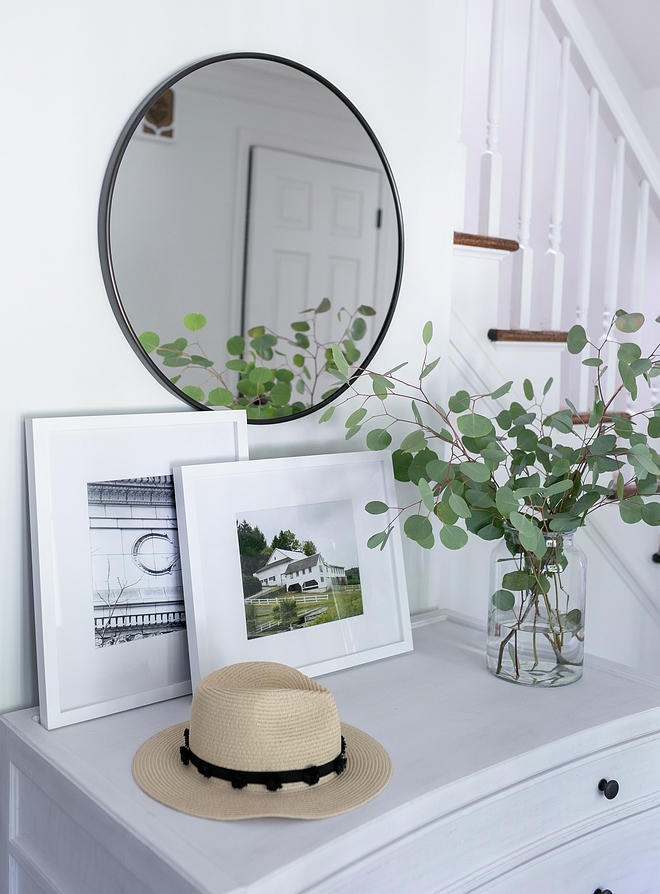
249	220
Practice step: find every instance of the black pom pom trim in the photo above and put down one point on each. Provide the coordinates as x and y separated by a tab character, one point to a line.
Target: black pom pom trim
340	764
273	782
311	775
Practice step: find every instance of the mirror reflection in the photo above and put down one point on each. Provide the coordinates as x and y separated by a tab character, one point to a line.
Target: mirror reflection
249	220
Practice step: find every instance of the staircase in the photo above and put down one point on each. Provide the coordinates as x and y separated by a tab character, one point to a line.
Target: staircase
557	223
554	159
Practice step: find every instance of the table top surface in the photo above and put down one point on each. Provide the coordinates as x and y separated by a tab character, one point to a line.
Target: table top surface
446	722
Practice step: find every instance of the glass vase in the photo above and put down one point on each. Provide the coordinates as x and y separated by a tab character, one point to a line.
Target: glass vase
536	611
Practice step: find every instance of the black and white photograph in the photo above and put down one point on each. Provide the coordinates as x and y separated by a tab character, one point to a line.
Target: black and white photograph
299	566
109	605
136	568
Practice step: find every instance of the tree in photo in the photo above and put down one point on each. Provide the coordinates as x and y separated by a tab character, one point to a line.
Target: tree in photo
309	548
251	541
286	540
286	611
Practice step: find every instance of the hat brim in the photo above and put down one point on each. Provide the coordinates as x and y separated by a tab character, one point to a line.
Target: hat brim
159	771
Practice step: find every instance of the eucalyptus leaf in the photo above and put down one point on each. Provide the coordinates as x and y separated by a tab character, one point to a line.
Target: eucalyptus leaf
651	514
620	485
459	506
475	426
417	527
437	470
413	441
376	507
629	352
427	332
602	445
220	397
629	322
518	581
446	514
194	322
501	391
358	329
654	427
573	619
577	340
559	487
378	439
356	417
426	493
630	510
453	537
401	464
340	360
194	391
460	402
377	540
505	501
475	471
428	368
149	341
503	600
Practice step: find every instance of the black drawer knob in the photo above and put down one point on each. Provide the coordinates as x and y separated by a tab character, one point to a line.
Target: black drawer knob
602	891
610	788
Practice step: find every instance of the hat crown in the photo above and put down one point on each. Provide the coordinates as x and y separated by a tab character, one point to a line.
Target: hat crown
263	717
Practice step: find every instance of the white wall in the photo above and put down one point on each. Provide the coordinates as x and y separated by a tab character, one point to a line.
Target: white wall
72	72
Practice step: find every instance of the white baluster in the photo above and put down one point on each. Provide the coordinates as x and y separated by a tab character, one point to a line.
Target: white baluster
613	259
521	299
641	242
587	238
460	174
490	195
639	266
553	261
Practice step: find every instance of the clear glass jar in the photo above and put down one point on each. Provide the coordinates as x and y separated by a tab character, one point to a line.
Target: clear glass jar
536	611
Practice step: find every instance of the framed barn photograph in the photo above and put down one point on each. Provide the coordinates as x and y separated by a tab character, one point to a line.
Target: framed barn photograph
108	593
276	565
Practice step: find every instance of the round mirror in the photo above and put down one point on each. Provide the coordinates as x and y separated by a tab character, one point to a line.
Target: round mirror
248	221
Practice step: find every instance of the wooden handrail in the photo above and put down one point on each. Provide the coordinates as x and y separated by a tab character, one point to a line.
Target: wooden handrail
528	335
493	242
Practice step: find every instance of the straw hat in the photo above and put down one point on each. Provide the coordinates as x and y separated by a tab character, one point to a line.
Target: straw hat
262	740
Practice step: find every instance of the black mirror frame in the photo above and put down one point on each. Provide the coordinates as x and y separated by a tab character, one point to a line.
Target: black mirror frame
105	208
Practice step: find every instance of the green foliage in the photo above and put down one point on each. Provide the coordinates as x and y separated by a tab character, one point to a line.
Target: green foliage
251	541
517	472
268	374
286	540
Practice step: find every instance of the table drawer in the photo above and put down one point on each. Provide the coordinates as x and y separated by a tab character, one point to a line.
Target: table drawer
492	835
623	857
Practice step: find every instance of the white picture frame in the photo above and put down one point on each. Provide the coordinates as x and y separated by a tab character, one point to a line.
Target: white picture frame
68	459
213	500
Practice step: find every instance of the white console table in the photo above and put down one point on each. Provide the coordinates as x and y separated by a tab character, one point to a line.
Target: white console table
495	789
